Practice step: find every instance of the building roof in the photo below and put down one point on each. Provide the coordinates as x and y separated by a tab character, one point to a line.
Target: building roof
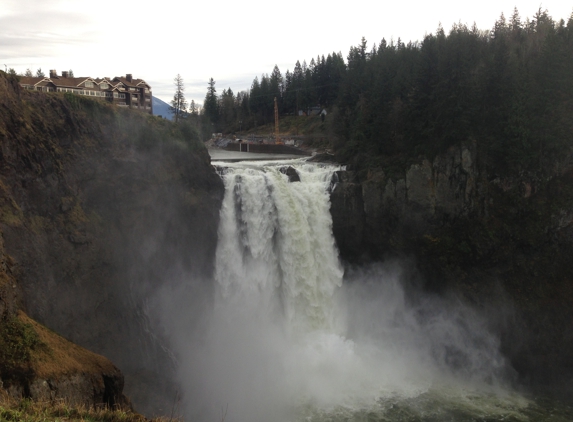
115	83
25	80
136	83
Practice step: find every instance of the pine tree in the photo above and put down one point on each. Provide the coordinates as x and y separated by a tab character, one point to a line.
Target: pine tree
211	106
178	104
227	113
193	108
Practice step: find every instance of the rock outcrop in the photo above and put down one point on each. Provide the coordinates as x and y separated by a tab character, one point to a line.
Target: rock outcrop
61	370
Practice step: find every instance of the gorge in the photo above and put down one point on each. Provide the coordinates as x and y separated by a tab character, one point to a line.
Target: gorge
291	336
447	275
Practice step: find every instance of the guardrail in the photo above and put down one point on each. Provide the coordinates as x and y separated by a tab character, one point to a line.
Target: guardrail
264	148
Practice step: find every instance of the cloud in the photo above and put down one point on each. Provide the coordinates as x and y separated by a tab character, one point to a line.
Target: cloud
37	34
198	41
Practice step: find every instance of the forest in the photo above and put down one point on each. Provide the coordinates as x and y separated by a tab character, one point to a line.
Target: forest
509	88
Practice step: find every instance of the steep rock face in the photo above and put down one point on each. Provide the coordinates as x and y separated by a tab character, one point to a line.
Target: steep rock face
499	243
99	209
386	212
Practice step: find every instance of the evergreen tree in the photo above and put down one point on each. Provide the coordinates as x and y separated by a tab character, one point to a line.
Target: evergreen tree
227	114
39	73
297	85
211	103
193	108
277	87
267	101
289	94
178	104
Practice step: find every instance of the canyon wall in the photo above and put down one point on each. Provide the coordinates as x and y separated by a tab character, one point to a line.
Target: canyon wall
502	244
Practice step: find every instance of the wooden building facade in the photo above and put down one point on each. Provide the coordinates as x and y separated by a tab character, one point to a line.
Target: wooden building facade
124	91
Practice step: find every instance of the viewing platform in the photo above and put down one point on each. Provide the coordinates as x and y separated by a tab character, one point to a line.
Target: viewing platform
223	149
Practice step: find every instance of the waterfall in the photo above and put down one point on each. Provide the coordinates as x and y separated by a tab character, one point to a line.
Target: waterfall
278	279
276	248
283	338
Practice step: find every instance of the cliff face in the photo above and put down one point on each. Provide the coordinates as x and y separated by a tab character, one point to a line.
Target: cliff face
500	243
99	208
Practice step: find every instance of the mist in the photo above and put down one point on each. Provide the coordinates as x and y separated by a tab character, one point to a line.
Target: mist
284	331
240	359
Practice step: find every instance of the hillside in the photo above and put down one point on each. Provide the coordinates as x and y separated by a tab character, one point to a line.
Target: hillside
99	208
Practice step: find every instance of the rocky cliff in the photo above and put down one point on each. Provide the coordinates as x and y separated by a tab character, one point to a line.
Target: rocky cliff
501	244
99	208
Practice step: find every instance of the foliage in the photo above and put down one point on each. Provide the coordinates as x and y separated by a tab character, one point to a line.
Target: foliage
141	129
510	89
17	339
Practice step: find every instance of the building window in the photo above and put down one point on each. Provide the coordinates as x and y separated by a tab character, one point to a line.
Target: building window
89	84
104	86
121	95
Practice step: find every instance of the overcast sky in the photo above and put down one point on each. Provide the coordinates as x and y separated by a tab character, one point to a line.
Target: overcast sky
230	41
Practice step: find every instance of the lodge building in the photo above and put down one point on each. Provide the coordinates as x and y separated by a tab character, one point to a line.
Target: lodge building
123	91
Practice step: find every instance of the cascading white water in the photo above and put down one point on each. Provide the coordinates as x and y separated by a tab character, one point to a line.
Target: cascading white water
276	243
277	262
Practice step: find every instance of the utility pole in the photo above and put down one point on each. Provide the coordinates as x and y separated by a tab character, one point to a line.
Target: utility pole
277	139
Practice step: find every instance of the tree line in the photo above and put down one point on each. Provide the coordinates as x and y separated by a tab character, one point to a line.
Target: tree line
29	74
305	87
509	88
